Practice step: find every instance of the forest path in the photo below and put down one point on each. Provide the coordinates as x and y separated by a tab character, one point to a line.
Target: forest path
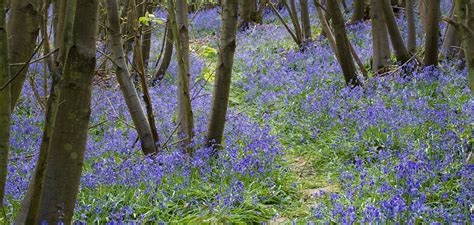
301	159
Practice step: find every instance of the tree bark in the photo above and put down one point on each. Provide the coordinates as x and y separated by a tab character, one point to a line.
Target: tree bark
146	38
68	143
220	99
22	29
126	85
432	34
305	22
29	212
139	9
410	14
397	41
5	104
422	8
451	38
248	13
342	43
168	53
294	18
179	21
380	44
359	11
465	23
326	29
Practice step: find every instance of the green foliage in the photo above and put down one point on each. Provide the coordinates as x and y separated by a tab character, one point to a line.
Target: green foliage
150	18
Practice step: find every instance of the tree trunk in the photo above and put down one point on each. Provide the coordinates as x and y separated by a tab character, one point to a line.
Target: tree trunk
380	44
248	13
23	29
451	38
432	34
68	143
5	104
410	14
138	33
49	61
465	22
422	8
359	11
342	43
168	53
222	82
305	22
397	41
126	85
179	24
29	212
146	38
325	26
294	18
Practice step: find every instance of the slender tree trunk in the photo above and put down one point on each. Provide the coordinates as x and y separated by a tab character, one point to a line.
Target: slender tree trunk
5	104
129	31
248	13
305	22
380	44
68	143
225	61
146	38
465	23
168	53
432	34
410	14
397	41
342	43
359	11
139	9
179	21
22	28
451	38
292	34
325	26
294	18
126	85
44	34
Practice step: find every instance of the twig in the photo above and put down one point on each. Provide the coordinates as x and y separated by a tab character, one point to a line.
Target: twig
36	60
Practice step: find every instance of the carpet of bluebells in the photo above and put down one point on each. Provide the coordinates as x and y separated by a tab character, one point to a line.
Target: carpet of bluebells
390	151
